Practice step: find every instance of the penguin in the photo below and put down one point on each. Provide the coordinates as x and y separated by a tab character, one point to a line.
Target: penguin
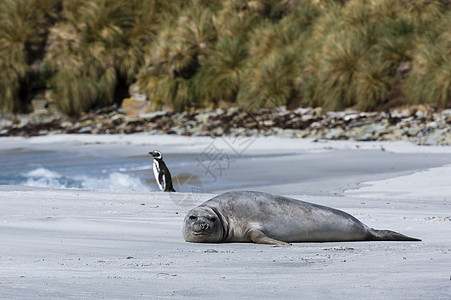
161	172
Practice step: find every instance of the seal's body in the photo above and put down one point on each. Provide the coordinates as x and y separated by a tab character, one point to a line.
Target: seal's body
161	172
269	219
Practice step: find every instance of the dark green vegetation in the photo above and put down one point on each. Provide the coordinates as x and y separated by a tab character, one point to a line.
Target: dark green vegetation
252	53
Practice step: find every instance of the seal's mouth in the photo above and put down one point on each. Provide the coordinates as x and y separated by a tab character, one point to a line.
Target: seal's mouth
201	233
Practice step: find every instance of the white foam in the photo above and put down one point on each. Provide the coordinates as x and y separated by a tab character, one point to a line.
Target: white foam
42	172
114	181
42	177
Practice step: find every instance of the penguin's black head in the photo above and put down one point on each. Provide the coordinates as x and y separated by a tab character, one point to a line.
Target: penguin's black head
156	154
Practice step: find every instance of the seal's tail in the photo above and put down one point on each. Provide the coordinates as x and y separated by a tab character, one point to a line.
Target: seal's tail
388	235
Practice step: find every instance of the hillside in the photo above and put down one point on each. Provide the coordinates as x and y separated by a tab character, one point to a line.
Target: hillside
86	54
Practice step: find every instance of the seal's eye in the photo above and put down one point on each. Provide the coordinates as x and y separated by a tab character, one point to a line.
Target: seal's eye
192	218
213	219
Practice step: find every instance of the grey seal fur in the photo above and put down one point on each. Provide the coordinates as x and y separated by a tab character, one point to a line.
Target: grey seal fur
270	219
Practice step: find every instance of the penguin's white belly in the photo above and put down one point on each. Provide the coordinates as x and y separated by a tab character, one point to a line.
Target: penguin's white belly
156	172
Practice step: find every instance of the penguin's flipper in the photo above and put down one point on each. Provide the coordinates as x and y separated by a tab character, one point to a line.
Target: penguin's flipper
162	179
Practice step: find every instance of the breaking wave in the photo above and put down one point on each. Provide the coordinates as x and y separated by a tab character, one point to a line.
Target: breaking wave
42	177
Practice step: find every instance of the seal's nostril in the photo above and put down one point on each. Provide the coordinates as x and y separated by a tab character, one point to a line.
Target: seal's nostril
204	226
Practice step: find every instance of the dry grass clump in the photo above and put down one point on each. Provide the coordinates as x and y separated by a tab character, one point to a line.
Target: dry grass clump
23	28
356	62
430	78
175	57
100	45
220	76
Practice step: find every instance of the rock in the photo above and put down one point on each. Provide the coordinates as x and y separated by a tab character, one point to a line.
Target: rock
446	112
446	140
365	133
405	113
351	115
411	132
232	111
152	115
87	123
218	131
304	111
67	124
135	93
268	123
202	118
39	104
317	111
416	124
422	114
335	134
316	125
219	112
133	108
299	122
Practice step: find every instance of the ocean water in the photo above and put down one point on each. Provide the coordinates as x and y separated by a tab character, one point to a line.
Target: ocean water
69	169
91	167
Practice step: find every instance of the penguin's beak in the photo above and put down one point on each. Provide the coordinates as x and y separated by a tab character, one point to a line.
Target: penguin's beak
153	153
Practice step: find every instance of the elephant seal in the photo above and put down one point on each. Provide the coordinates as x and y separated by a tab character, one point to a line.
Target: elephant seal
269	219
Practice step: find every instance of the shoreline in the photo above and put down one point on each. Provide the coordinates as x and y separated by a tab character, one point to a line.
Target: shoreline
278	165
415	124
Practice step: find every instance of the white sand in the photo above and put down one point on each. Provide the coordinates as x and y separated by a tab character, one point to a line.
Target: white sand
91	244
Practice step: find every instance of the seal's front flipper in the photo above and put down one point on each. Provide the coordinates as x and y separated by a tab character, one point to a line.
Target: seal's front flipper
259	237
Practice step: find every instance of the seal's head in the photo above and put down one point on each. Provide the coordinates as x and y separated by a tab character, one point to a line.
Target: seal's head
202	225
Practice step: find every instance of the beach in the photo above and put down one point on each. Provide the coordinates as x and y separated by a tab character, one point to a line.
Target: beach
121	237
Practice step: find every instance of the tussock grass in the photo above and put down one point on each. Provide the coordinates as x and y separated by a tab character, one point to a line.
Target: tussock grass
174	59
269	84
430	78
23	28
102	43
198	53
343	58
220	76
